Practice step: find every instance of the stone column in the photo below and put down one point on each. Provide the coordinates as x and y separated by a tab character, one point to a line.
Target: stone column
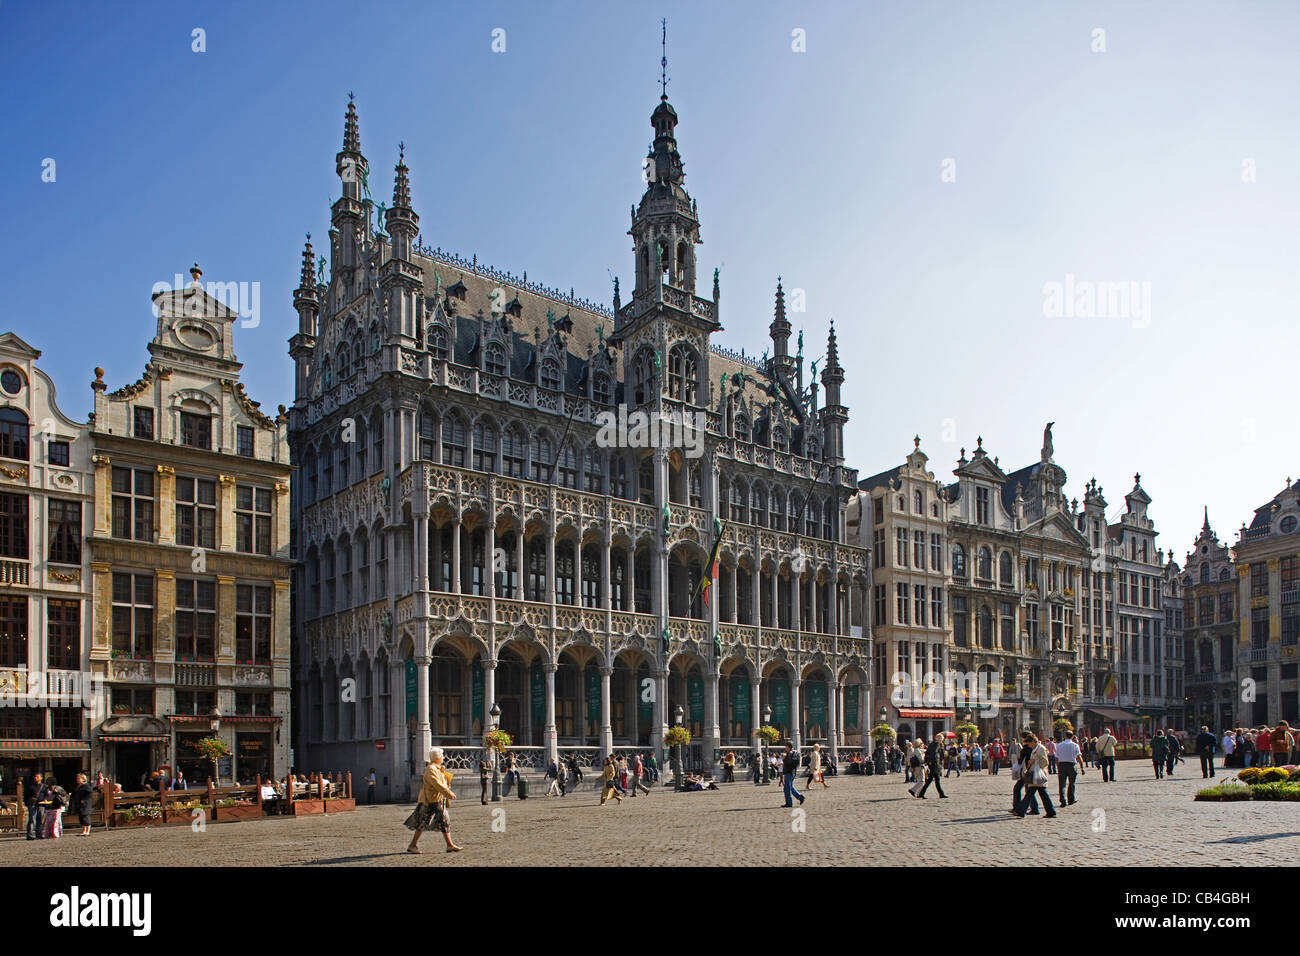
577	573
489	692
659	718
606	730
548	734
604	577
455	556
832	714
166	513
225	649
521	569
424	731
796	715
420	553
712	731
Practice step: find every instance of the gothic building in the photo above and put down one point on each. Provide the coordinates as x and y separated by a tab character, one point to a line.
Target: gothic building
1210	630
471	543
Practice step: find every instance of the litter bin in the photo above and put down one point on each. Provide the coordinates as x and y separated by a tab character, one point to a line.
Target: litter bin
523	787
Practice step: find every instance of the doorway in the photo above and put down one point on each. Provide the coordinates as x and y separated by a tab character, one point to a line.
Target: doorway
131	764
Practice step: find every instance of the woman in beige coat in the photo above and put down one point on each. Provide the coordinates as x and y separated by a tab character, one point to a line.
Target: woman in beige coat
815	774
430	812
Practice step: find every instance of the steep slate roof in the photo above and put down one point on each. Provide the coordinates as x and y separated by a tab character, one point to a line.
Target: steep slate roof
880	480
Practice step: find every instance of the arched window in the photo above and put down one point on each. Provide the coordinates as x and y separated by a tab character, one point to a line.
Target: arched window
1004	569
958	561
778	509
453	440
642	376
601	391
618	478
984	569
918	502
308	469
567	472
681	373
551	375
1225	574
778	438
813	519
437	336
494	359
739	500
683	263
512	453
645	480
359	449
741	428
344	358
485	446
1205	574
358	354
829	516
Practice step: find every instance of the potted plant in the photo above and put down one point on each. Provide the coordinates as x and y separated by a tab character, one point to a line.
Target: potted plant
1061	726
882	733
231	808
677	736
214	749
968	732
768	734
497	740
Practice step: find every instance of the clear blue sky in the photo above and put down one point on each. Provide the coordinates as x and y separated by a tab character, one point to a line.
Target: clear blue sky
822	166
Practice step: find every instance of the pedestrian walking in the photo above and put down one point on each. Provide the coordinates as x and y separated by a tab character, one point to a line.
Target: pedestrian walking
815	774
1159	753
915	767
370	788
1229	748
54	812
977	758
608	787
1206	743
431	811
933	767
996	753
729	767
484	768
553	773
638	771
790	767
81	798
1051	755
1174	753
1281	742
1068	765
1017	772
1106	755
1034	772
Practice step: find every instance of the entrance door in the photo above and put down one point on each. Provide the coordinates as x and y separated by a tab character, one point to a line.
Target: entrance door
132	762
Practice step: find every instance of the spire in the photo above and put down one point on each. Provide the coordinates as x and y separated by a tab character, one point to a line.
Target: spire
832	352
780	328
663	62
402	182
351	135
308	278
1205	525
307	304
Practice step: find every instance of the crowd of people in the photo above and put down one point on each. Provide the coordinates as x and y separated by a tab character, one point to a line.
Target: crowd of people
1248	747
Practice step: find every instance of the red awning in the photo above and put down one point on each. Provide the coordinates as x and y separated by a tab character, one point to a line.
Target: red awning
44	746
926	714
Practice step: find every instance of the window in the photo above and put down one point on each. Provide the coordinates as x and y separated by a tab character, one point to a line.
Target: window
1290	579
1258	627
13	434
986	628
65	723
453	441
959	633
13	526
758	505
777	514
196	430
252	624
194	703
133	503
936	607
494	359
437	342
681	374
918	605
918	550
958	561
778	438
1259	580
878	510
879	619
900	547
738	498
253	703
642	375
551	375
244	441
1004	570
512	454
58	453
593	471
982	505
741	428
543	455
196	512
64	531
485	447
901	606
142	421
1008	622
1225	607
64	619
132	700
601	391
918	502
428	436
564	573
196	620
936	552
132	615
984	569
1031	626
252	519
13	632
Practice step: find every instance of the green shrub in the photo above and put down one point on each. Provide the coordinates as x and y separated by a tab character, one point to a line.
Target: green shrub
1250	775
1276	791
1224	792
1274	775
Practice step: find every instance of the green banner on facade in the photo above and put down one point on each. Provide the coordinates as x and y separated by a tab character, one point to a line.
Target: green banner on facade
740	705
591	677
695	698
851	708
537	688
816	708
476	692
412	691
780	692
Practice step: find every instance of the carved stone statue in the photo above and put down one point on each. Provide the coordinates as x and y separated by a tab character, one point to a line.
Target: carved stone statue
1047	442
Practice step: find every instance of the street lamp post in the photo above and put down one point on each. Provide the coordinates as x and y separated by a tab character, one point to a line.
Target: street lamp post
677	752
496	758
762	743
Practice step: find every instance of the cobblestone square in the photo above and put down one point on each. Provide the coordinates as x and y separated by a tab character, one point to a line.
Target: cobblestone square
858	821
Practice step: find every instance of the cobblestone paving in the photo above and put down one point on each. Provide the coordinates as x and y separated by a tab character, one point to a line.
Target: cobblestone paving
859	821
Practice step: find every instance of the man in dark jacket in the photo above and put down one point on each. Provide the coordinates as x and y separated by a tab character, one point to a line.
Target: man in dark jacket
1206	744
933	765
34	791
790	767
1159	751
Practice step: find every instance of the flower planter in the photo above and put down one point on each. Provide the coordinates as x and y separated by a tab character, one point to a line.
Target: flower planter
247	811
340	804
122	820
311	805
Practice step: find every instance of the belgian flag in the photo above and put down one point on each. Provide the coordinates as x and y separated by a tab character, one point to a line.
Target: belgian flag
1112	689
711	569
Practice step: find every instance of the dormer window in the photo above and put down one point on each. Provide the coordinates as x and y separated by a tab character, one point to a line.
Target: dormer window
551	375
494	361
600	390
741	427
14	431
778	438
437	337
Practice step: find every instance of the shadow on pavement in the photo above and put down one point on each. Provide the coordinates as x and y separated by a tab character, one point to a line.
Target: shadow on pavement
1257	838
357	859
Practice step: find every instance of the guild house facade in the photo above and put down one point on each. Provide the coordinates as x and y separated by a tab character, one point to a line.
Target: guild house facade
478	535
189	554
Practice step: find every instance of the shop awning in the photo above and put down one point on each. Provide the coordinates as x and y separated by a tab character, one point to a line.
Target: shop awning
926	714
1113	713
45	746
240	719
134	738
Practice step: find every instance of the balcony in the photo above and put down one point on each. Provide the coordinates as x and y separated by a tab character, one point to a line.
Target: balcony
1258	655
14	572
1203	680
196	675
1064	657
